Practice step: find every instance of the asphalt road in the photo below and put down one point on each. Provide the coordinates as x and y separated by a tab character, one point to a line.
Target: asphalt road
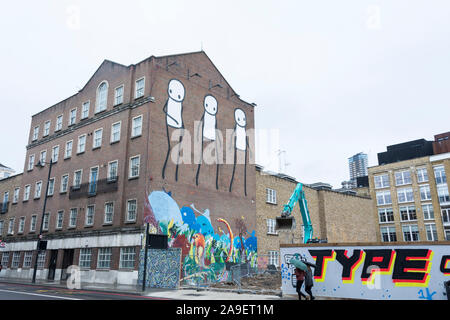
12	291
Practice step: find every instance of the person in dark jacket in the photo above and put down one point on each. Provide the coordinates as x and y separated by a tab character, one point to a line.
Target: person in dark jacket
309	282
300	275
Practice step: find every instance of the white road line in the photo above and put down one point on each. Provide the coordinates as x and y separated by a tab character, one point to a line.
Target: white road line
38	294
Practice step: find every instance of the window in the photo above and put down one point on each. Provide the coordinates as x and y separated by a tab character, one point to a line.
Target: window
118	95
135	163
405	195
381	181
271	196
445	215
93	176
384	197
11	226
408	213
90	215
85	257
442	191
5	259
55	154
85	110
402	177
21	224
26	193
425	193
41	259
16	195
33	223
51	187
274	258
47	128
15	259
115	132
64	183
98	134
431	232
60	219
81	144
77	179
410	233
385	215
72	117
136	127
69	146
127	257
37	191
46	221
112	170
1	228
31	162
428	211
109	212
422	175
439	175
73	217
102	97
43	157
131	210
35	133
140	84
27	258
271	226
104	258
59	122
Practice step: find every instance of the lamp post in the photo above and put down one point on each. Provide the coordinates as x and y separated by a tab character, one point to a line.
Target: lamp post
41	165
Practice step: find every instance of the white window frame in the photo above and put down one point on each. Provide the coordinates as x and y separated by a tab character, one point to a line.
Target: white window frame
271	196
109	216
130	173
109	177
59	122
379	181
31	159
85	259
36	189
427	214
443	193
432	232
410	211
72	116
139	91
46	221
403	181
55	155
422	175
440	178
21	225
41	259
59	220
84	137
2	224
35	133
90	215
425	190
85	108
47	126
98	107
383	215
271	226
15	262
68	155
72	217
27	259
51	187
91	180
104	258
43	157
95	143
64	187
11	226
405	192
16	195
113	132
116	96
383	195
127	258
77	186
274	258
26	192
130	201
33	222
135	134
410	227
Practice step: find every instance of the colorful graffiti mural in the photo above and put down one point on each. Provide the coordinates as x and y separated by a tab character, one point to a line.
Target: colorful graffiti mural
205	252
163	268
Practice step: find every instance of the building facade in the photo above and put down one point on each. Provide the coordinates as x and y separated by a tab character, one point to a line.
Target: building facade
124	152
336	217
357	166
5	172
411	199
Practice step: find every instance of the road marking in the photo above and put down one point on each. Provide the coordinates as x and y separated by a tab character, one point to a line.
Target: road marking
37	294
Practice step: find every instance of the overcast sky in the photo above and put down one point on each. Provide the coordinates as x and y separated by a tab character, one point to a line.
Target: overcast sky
334	77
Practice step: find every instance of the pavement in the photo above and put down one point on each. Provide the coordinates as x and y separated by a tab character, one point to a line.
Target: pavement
15	288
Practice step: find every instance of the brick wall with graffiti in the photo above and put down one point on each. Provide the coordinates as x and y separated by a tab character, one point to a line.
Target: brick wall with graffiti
403	272
205	251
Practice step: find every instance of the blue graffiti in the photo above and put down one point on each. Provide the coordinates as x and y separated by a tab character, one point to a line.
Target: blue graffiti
429	295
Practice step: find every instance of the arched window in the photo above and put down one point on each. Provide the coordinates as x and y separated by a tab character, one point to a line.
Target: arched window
102	96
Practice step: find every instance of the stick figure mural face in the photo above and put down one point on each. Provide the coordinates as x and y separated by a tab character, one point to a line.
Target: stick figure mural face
241	136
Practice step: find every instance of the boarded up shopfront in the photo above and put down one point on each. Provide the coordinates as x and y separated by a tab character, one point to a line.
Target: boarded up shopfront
372	271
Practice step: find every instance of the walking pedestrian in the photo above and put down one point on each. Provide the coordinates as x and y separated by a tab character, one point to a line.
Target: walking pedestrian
309	282
300	275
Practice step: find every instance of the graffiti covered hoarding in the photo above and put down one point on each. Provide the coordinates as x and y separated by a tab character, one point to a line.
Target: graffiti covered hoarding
378	272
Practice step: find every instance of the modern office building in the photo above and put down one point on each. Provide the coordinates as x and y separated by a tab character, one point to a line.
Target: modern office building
122	152
411	196
357	166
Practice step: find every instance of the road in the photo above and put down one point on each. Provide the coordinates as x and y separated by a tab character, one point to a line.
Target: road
13	291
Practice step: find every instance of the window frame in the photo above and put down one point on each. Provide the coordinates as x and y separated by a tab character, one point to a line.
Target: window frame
133	127
119	131
84	109
135	210
100	108
130	171
117	103
72	117
95	138
79	151
58	123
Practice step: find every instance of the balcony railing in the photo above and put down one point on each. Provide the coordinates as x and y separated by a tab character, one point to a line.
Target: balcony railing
4	207
92	189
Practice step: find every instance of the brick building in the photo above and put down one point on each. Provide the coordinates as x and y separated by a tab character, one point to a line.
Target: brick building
411	197
109	144
337	217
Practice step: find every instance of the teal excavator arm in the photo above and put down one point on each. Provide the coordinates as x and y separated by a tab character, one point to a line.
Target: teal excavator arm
286	221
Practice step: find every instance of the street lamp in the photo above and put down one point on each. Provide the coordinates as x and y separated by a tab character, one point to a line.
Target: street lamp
41	164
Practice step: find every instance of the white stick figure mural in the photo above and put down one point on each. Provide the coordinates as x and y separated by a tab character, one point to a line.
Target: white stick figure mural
208	124
174	110
240	144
